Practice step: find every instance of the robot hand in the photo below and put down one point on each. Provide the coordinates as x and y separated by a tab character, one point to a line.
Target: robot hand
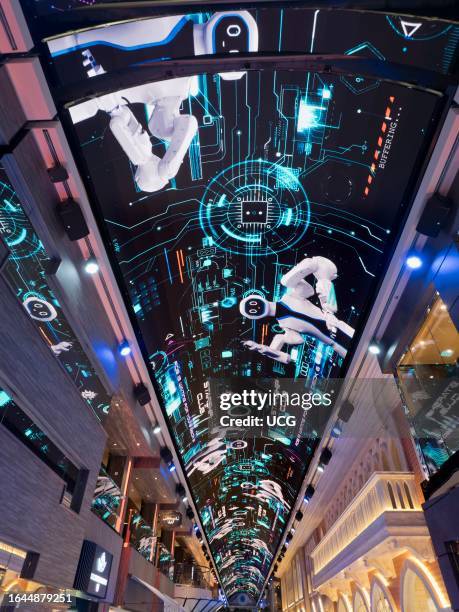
268	351
61	347
325	273
153	173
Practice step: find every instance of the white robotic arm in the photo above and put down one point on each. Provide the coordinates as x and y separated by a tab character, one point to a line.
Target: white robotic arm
323	270
274	350
135	142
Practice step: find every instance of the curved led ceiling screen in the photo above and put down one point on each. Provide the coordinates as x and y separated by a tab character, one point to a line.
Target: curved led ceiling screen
248	214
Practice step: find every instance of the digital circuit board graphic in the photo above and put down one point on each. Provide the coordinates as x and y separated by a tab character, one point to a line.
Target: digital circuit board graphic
256	254
25	270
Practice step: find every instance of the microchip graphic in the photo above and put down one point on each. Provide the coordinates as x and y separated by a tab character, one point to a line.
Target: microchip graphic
254	212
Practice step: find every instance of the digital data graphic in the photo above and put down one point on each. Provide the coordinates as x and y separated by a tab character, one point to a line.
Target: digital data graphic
249	216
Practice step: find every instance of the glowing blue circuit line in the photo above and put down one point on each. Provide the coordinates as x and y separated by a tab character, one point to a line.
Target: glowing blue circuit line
168	266
363	266
372	235
314	29
17	240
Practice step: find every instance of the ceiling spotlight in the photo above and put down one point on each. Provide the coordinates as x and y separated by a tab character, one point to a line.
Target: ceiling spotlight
184	499
414	262
156	429
299	516
336	431
124	349
374	348
91	266
308	494
325	457
289	537
171	467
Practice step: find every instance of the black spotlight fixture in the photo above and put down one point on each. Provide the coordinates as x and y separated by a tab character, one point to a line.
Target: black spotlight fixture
73	219
141	394
325	456
435	215
308	494
289	537
166	455
52	266
346	410
58	174
189	513
180	490
299	516
275	568
283	550
198	534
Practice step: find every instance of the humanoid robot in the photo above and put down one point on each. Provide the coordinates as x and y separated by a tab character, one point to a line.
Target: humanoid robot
296	314
230	32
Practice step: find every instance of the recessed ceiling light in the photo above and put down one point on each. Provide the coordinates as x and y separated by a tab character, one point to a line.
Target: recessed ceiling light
374	349
91	266
124	348
414	262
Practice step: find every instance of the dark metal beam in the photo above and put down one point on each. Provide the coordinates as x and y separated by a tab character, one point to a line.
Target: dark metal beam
117	11
330	64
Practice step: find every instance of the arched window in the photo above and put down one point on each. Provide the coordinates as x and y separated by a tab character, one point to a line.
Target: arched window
420	592
359	603
342	605
381	601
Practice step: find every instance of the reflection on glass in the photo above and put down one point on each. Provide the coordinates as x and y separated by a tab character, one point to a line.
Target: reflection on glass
428	376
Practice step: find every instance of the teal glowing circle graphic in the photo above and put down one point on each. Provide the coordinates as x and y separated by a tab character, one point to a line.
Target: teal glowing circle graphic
14	226
255	208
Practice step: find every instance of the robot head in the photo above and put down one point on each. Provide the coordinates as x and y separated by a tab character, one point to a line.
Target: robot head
227	32
254	307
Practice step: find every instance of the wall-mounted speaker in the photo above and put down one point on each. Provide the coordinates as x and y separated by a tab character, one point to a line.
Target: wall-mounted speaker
435	215
346	410
58	174
141	393
73	219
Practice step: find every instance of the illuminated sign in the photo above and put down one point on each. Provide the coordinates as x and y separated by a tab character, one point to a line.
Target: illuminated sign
249	217
93	572
169	519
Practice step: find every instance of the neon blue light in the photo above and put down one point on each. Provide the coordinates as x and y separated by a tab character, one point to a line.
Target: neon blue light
28	433
308	116
288	216
254	238
326	93
137	308
18	240
172	34
228	302
227	354
4	398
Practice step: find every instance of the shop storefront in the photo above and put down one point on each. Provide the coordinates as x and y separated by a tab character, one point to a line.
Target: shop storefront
428	375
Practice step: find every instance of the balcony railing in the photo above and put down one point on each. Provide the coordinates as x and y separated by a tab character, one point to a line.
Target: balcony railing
383	492
192	575
107	499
